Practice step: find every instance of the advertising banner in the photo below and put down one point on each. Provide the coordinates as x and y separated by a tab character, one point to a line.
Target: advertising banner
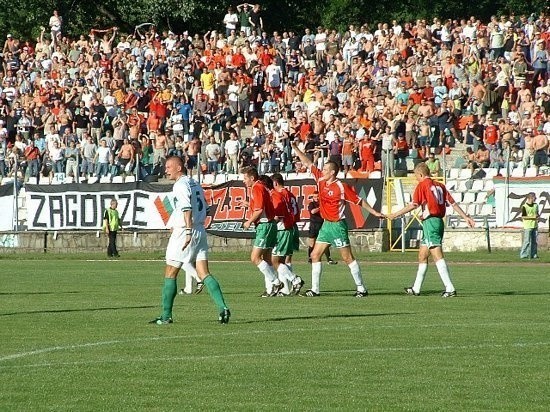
149	206
510	197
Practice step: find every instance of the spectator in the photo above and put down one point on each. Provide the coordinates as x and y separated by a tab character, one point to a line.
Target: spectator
103	159
125	157
32	155
401	152
88	151
433	165
213	154
232	150
57	156
530	217
71	160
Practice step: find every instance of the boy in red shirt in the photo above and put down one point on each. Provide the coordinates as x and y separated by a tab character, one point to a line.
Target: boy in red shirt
433	197
333	195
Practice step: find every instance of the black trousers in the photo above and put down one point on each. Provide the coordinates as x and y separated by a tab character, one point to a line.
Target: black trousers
111	249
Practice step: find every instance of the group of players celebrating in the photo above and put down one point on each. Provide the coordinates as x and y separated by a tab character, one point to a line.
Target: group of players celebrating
274	212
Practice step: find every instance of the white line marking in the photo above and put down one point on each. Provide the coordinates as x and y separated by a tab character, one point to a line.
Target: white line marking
516	345
216	334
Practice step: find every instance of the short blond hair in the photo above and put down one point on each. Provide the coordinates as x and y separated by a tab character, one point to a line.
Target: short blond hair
422	169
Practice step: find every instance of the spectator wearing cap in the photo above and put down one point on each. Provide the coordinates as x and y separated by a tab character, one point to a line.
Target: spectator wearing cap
527	120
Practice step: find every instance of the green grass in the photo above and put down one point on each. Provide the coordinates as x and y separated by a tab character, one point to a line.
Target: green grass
74	337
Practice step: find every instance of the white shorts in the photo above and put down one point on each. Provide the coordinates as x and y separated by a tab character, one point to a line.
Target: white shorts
196	250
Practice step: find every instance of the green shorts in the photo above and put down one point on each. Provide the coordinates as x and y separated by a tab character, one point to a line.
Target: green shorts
285	243
433	229
334	233
266	235
296	237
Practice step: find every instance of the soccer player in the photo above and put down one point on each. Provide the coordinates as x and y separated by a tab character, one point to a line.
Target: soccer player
433	198
286	232
315	223
188	242
263	217
111	224
295	210
333	194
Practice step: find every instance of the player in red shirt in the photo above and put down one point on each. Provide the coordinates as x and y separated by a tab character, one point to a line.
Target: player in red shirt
433	197
333	195
286	206
263	217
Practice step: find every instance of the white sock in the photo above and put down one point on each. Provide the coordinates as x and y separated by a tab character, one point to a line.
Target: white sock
190	274
316	270
445	275
420	275
284	273
284	276
294	275
189	268
286	286
356	274
269	274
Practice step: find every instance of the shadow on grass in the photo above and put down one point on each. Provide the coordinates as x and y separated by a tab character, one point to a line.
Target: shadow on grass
33	312
510	293
311	317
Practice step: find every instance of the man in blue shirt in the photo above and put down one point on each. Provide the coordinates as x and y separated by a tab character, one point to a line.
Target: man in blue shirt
185	109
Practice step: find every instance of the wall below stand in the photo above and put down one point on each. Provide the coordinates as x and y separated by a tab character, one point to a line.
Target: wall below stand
464	240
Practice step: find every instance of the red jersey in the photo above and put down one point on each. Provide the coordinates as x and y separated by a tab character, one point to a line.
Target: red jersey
282	210
292	204
433	197
333	197
491	134
366	148
260	199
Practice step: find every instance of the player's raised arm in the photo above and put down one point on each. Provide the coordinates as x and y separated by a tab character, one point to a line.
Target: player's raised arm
303	158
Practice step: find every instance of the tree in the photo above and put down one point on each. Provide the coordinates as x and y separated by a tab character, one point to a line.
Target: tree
23	18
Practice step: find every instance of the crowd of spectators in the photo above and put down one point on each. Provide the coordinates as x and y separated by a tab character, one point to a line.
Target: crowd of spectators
108	103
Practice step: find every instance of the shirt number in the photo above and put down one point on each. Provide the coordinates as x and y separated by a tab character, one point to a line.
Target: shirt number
438	194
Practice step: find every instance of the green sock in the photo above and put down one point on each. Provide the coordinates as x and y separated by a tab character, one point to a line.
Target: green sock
169	293
215	292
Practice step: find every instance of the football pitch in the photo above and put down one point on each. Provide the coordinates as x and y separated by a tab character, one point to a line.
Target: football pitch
74	337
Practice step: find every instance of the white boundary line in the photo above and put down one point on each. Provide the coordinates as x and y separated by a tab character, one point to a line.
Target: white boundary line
235	333
517	345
